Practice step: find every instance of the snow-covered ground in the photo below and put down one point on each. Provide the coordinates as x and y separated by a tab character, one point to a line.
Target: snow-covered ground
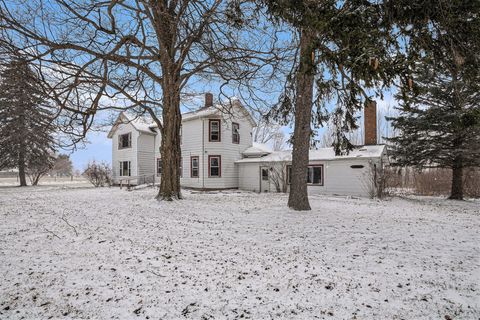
109	253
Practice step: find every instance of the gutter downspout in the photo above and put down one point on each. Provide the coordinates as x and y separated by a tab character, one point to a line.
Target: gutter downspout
203	153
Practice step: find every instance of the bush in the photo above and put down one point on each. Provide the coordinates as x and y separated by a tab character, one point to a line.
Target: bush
99	174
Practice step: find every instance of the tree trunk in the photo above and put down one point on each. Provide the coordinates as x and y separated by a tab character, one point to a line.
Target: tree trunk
170	151
457	180
21	166
298	197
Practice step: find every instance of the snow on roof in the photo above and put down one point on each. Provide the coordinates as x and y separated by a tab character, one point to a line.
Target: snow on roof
200	113
140	124
257	149
371	151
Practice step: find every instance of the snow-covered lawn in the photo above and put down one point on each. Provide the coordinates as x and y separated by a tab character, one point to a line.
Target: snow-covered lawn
108	253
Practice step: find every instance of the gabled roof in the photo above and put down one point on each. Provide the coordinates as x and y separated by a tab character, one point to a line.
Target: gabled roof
323	154
220	110
139	124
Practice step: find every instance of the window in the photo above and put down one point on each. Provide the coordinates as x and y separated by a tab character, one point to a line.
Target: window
194	167
125	141
264	174
235	133
214	130
125	169
314	174
159	167
214	166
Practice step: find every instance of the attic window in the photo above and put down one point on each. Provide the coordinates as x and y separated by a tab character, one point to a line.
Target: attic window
357	166
125	141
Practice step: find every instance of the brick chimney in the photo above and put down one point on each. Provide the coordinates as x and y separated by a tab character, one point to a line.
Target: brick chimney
370	122
208	100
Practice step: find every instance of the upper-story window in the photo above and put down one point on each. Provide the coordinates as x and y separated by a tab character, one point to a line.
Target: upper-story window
235	133
214	134
125	141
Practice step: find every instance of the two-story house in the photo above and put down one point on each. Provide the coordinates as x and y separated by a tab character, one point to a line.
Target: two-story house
212	139
217	152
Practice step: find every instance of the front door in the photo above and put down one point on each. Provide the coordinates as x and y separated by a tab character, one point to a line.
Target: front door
264	179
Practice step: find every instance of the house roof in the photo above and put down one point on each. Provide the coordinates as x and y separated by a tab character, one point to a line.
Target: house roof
371	151
217	110
257	149
139	124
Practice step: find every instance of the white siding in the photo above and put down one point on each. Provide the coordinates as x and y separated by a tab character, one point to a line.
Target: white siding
128	154
249	176
338	177
193	145
341	179
146	155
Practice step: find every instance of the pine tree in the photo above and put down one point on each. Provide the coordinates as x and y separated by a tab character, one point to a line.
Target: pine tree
26	126
346	48
439	124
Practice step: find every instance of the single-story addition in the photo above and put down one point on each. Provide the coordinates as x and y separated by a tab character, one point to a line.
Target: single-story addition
351	174
217	152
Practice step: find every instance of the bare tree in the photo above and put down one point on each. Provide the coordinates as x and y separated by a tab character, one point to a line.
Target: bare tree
138	55
269	132
278	175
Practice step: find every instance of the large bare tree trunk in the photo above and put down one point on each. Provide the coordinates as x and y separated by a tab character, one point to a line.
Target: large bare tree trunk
298	198
170	145
457	180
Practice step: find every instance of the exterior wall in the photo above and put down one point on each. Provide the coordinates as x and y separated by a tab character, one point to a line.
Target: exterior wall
129	154
195	142
338	177
249	176
146	155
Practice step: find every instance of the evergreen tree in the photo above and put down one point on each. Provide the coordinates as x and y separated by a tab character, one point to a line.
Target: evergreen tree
439	123
26	126
346	48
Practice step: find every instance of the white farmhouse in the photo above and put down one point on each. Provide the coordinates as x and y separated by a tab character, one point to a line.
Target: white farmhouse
218	153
